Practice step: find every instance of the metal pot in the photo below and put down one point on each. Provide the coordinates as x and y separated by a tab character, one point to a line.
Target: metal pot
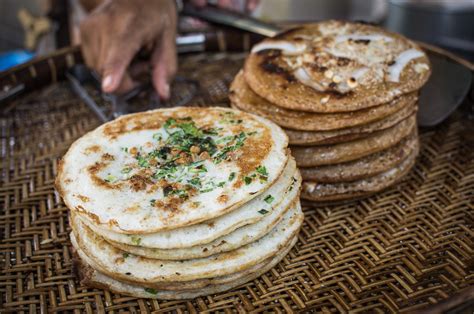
449	24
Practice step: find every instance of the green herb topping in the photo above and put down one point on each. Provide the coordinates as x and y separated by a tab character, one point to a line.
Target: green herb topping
263	211
136	240
269	199
178	157
151	290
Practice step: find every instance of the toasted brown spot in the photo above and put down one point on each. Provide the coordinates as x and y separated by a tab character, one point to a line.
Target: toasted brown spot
92	149
223	198
108	157
132	209
92	216
139	182
94	169
255	149
119	260
83	198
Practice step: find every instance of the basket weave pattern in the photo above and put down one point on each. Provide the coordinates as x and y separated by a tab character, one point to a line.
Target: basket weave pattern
402	249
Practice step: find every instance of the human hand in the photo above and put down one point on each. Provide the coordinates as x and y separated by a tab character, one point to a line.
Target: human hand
114	32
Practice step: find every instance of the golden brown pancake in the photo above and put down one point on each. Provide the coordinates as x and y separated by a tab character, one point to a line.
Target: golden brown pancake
330	192
243	98
306	138
335	66
343	152
365	167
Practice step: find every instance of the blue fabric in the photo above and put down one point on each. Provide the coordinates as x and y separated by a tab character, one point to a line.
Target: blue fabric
11	58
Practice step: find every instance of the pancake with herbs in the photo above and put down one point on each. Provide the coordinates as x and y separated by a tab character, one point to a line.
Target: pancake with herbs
364	167
243	98
93	278
165	169
285	189
335	66
127	267
226	243
343	152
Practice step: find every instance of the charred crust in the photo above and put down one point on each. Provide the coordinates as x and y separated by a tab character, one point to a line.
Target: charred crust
362	41
272	68
316	67
341	61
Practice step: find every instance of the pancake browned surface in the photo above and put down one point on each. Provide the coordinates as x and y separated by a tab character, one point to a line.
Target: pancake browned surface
363	167
346	94
343	152
165	169
242	97
330	192
335	66
181	202
306	138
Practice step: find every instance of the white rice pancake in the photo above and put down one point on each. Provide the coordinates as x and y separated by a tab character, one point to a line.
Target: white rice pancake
94	278
232	241
286	187
136	269
170	168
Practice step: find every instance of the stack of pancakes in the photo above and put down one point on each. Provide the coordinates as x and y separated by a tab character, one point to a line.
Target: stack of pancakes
180	203
346	94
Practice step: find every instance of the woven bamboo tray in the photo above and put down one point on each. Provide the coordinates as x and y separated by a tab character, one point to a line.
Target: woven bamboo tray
409	248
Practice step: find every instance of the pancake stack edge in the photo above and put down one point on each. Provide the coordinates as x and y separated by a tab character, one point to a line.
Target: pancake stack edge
346	94
180	203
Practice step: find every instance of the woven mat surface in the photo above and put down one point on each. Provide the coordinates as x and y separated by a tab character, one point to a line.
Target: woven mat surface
400	250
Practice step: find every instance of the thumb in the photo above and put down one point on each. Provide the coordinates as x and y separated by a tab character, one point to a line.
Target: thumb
115	66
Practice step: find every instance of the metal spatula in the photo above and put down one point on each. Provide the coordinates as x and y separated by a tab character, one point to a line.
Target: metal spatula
444	92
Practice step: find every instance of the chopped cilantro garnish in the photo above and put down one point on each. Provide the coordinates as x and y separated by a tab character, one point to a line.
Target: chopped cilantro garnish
151	290
136	240
126	170
231	176
195	182
157	136
262	170
142	161
125	149
125	255
269	198
247	180
221	184
152	202
263	211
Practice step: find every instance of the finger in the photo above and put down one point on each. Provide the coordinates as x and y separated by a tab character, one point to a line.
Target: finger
252	5
164	62
118	57
89	44
126	84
